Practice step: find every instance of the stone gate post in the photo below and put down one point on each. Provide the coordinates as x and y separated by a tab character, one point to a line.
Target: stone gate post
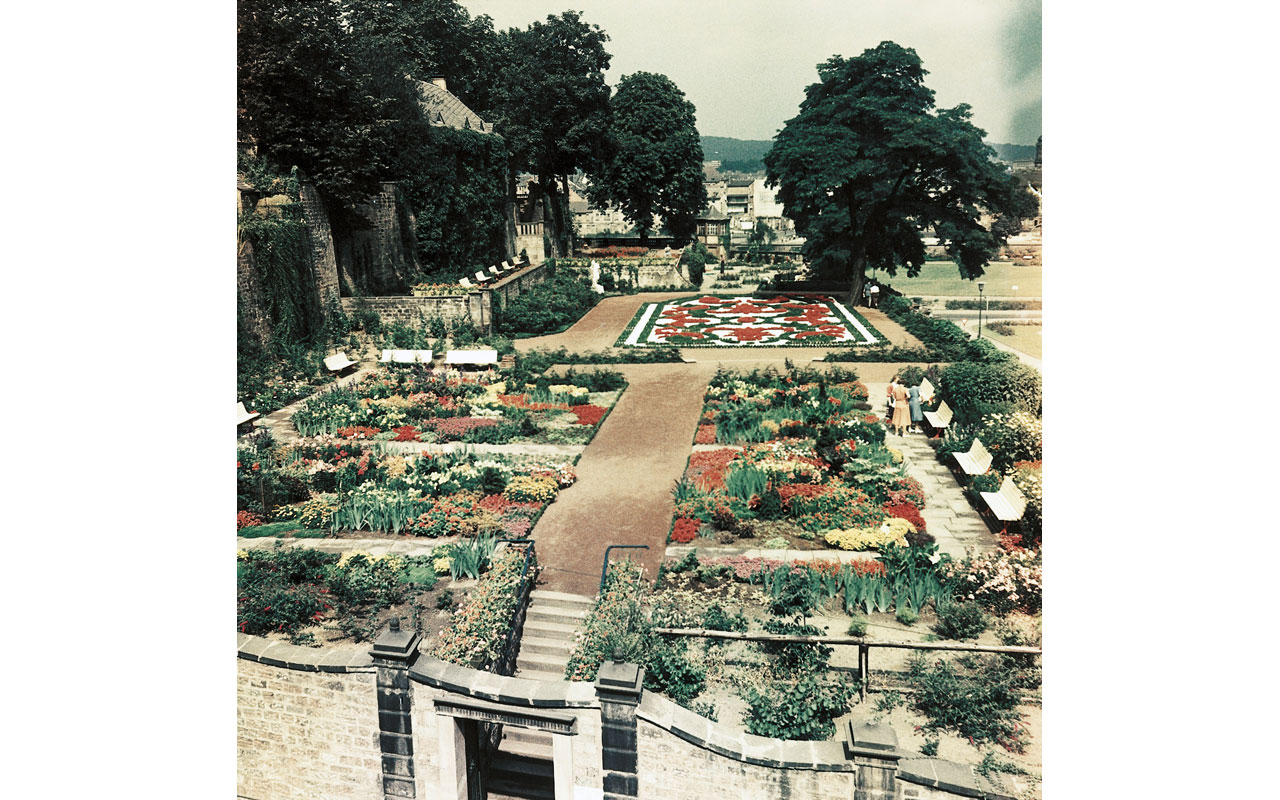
393	653
619	686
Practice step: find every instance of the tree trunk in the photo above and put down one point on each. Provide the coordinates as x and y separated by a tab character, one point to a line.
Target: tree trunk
550	215
859	278
509	232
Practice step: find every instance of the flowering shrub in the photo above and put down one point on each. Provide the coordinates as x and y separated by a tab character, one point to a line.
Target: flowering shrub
315	514
842	507
707	468
438	289
589	414
616	614
866	538
788	491
459	514
247	519
1029	480
905	489
457	427
684	530
476	634
906	511
531	489
1000	582
406	433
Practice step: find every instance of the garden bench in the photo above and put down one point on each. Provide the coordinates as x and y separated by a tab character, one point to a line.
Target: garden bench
466	284
481	277
424	356
495	271
403	356
939	419
926	391
476	357
244	415
509	264
976	461
1008	504
338	362
386	357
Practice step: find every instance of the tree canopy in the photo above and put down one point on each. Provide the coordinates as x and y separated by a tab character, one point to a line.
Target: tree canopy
869	164
656	166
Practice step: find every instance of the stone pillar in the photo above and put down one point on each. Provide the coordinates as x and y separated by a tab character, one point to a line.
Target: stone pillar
873	749
619	686
393	653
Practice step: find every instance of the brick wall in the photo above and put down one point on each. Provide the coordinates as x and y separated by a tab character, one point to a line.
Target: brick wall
306	734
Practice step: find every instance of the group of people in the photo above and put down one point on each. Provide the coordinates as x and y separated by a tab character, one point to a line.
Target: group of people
904	407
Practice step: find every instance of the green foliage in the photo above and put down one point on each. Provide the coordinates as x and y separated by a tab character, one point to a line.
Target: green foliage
548	307
857	626
716	618
804	710
960	621
696	258
906	615
281	246
972	387
657	157
668	670
745	481
979	702
858	170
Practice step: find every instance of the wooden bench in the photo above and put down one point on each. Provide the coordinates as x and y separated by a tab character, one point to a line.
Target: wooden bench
976	461
471	357
244	415
338	362
926	391
1008	504
940	419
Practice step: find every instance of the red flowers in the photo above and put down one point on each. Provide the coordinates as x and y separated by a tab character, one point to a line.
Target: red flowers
589	414
907	511
706	435
406	433
685	530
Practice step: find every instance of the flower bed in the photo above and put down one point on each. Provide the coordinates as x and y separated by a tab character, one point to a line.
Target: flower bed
424	405
745	321
478	633
331	484
812	469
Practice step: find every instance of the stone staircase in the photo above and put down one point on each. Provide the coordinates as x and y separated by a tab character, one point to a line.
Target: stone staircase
522	766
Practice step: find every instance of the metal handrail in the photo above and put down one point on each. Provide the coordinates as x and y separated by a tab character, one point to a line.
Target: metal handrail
604	567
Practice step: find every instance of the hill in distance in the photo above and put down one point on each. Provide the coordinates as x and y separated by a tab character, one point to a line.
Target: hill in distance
747	155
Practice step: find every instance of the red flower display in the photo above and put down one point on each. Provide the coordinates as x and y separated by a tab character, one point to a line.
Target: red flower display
589	414
685	530
907	511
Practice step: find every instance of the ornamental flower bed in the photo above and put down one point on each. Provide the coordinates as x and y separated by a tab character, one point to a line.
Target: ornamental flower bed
427	405
746	321
331	484
478	632
821	475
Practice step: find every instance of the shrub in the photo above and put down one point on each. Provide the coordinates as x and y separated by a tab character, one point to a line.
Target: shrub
716	618
476	634
1027	477
857	626
547	307
968	386
1000	582
668	670
684	530
907	616
980	703
804	710
960	621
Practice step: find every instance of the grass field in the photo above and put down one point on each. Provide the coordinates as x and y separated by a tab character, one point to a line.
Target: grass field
942	279
1026	338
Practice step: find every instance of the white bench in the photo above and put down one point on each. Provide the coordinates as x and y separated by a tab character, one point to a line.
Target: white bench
976	461
481	277
403	356
926	391
244	415
477	357
466	284
509	264
424	356
338	362
939	419
495	271
1008	504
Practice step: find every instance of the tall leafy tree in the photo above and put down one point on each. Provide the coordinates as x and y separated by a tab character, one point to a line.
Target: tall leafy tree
869	163
300	101
551	104
656	166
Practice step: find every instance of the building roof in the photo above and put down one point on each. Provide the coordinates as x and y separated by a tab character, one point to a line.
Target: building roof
444	108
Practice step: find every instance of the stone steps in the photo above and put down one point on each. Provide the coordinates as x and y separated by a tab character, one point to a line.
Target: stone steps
547	643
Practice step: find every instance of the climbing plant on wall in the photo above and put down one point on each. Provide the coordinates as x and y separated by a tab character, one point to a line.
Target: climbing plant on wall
282	260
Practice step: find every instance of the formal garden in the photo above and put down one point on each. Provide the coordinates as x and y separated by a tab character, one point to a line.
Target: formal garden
746	321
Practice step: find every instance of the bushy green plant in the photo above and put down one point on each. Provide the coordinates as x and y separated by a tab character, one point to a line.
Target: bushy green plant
716	618
979	702
547	307
669	670
960	621
857	627
966	385
804	710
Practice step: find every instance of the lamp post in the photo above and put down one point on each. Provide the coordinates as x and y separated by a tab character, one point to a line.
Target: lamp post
981	285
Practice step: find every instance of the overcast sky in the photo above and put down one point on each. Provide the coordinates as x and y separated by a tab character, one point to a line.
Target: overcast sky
744	64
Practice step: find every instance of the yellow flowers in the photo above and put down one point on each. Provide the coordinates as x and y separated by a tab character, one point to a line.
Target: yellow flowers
892	531
442	565
531	489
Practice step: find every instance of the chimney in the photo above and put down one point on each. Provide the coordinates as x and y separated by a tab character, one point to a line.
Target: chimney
438	80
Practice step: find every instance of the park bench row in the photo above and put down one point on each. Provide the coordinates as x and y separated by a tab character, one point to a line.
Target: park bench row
1007	504
493	273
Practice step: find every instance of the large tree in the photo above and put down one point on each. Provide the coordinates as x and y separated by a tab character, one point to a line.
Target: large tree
869	163
551	104
656	166
301	102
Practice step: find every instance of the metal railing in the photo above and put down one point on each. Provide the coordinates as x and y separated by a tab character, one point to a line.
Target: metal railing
505	663
864	646
604	567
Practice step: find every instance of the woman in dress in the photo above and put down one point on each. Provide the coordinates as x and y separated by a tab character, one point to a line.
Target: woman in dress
917	416
901	414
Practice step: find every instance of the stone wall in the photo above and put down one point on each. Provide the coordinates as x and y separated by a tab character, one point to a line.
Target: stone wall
304	733
529	239
324	261
380	252
249	293
407	310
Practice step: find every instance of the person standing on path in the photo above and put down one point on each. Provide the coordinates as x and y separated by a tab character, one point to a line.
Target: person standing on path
917	416
901	414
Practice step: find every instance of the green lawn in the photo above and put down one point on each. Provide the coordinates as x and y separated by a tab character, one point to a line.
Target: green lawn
942	279
1026	338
